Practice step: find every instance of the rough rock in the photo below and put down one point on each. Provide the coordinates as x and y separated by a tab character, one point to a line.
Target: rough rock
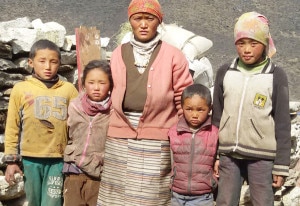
8	192
9	80
25	38
6	65
22	38
5	51
50	30
22	65
69	57
23	22
70	41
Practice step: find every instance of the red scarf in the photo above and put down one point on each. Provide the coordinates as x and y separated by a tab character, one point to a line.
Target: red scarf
92	108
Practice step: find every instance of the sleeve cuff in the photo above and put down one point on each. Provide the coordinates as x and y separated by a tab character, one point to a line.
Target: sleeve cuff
281	170
10	158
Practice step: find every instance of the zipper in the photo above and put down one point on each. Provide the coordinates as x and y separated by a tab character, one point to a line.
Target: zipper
240	112
86	143
191	161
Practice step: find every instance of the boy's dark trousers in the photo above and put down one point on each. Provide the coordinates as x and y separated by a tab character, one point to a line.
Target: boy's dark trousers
234	171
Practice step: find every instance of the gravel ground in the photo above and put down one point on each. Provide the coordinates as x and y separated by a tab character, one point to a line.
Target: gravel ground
210	18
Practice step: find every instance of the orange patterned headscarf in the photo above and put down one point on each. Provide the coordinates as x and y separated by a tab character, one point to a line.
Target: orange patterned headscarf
255	26
148	6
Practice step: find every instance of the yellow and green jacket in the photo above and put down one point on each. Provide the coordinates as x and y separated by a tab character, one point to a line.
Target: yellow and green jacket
36	123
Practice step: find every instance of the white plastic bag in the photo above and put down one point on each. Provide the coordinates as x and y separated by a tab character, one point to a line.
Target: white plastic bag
202	71
192	45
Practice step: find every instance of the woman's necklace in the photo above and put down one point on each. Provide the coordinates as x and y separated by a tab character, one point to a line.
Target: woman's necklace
142	64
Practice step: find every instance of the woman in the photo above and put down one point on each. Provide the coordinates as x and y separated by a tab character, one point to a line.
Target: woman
149	77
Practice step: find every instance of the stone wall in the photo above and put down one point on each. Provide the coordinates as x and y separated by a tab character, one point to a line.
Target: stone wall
16	38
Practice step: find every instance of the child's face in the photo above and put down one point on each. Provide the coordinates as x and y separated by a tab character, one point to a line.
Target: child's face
97	85
45	63
250	51
195	111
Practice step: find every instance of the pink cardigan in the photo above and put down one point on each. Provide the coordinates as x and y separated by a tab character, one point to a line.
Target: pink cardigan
168	76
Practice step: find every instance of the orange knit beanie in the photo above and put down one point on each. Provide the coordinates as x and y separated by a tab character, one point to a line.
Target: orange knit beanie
148	6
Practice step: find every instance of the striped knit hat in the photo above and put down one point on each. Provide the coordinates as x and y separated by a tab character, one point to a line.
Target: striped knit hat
148	6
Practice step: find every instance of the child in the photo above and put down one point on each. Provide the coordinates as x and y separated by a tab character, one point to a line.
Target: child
251	108
88	123
193	144
36	130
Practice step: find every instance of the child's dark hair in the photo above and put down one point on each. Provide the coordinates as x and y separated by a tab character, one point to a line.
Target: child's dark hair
43	44
197	89
98	64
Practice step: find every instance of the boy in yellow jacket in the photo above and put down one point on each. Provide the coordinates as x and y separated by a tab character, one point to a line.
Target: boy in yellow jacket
36	130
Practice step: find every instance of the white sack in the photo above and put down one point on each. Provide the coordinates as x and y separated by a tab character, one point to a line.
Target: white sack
192	45
203	72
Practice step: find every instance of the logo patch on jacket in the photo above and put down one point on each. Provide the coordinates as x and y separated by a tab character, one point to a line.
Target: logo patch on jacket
260	100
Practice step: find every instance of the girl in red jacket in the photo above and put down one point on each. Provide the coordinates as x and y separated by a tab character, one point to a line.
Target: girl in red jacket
193	142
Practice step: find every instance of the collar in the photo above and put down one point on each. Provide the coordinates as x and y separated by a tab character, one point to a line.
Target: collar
268	68
182	125
49	83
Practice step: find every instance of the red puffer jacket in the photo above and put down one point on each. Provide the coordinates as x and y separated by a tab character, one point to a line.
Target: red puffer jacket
193	158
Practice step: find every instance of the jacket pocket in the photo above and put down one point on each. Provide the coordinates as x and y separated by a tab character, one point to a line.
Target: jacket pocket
210	180
92	164
69	153
255	129
225	130
224	122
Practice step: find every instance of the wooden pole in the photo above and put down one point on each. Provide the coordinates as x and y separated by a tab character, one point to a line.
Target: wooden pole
88	47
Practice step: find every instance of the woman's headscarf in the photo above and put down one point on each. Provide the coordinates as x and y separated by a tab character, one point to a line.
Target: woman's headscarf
149	6
255	26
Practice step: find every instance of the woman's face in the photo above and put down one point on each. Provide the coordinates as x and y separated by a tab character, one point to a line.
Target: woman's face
144	26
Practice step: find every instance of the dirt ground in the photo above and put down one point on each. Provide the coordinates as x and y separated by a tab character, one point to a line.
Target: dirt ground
213	19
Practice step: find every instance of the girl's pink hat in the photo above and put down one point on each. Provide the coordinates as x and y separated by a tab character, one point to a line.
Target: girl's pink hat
148	6
255	26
